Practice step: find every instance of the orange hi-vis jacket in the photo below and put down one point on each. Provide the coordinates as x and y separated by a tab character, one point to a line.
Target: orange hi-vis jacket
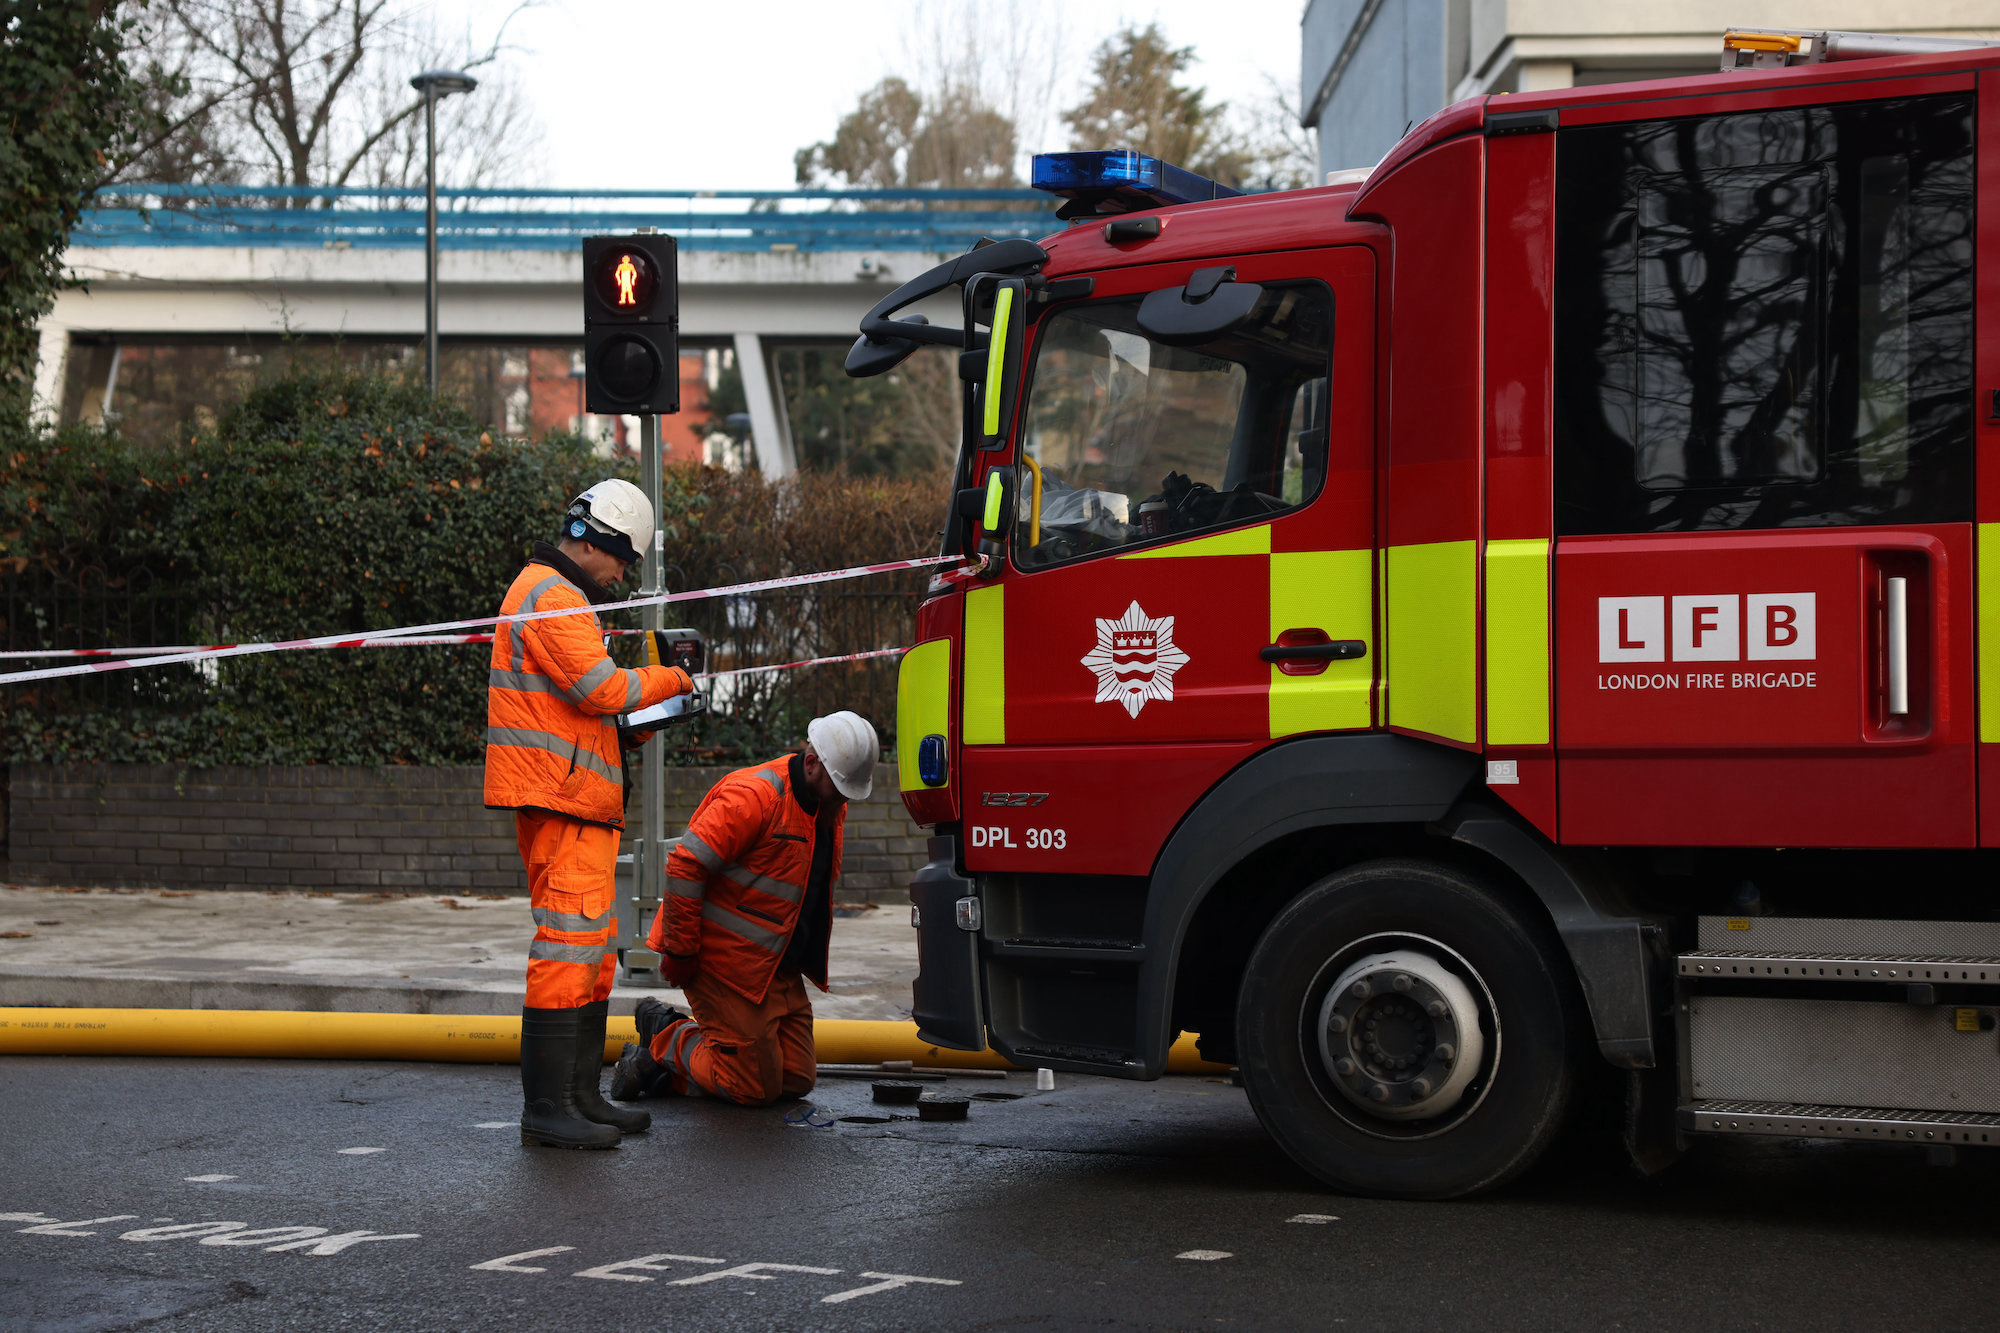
552	697
737	879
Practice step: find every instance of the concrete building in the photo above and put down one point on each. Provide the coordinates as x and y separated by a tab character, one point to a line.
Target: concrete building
1369	68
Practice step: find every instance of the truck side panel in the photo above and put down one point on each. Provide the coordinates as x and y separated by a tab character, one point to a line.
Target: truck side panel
1520	315
1987	380
1430	531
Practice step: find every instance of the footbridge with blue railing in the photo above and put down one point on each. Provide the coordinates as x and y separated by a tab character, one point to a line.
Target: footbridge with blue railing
209	262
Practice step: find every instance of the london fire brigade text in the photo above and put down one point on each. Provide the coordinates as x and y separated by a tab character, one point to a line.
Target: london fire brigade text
1710	680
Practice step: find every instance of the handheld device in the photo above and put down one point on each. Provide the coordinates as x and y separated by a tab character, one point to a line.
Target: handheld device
668	712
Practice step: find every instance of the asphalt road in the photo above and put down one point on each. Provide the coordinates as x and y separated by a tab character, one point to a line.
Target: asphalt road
242	1195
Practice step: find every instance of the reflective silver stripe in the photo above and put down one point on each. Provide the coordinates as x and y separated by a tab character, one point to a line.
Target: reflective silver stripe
685	1039
527	681
762	936
776	782
548	951
777	888
686	888
700	850
535	593
571	921
554	744
635	690
590	680
527	605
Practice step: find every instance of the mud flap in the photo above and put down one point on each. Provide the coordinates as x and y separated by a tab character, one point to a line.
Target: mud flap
947	993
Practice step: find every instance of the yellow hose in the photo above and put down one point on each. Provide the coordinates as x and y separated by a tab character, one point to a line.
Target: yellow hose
466	1038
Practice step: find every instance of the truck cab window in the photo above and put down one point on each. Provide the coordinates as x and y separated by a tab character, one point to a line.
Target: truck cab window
1766	319
1138	441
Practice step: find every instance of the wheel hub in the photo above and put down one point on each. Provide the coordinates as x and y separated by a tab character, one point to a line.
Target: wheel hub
1400	1035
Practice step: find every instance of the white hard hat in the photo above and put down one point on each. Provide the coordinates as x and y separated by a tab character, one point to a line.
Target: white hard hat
613	515
846	746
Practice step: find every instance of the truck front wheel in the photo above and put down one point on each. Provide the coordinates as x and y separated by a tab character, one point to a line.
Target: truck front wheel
1404	1031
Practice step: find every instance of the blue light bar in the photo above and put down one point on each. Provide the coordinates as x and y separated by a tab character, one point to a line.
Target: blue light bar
1122	177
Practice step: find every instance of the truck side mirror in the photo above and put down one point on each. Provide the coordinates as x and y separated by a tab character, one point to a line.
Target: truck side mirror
996	516
875	356
1001	389
991	508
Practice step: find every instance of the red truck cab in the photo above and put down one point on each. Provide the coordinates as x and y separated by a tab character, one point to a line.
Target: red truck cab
1507	625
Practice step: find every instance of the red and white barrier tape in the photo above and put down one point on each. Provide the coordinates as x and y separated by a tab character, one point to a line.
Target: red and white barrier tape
811	661
406	641
361	640
452	640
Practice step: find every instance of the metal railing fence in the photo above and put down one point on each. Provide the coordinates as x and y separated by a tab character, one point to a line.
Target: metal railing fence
358	217
40	608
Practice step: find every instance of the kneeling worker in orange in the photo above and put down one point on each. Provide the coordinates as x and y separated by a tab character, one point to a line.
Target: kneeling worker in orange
746	917
553	757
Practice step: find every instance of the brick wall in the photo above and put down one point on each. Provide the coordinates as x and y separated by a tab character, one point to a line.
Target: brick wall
340	828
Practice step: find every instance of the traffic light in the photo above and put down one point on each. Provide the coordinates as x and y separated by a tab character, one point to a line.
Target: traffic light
631	325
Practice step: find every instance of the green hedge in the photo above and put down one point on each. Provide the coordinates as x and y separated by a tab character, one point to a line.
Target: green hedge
350	502
324	504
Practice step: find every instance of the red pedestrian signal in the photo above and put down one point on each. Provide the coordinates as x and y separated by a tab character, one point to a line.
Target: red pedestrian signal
626	279
631	325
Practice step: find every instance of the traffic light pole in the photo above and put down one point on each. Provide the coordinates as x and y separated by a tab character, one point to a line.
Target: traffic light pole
649	856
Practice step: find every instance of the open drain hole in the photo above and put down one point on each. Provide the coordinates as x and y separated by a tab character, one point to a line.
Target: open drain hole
996	1096
864	1120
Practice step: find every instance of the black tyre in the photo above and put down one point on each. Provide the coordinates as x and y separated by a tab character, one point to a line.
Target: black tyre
1405	1030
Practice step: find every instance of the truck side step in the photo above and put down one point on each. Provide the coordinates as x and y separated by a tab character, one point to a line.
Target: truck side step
1806	949
1749	964
1792	1120
1830	937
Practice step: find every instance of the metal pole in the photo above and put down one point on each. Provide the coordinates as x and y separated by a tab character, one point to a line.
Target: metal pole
649	860
431	240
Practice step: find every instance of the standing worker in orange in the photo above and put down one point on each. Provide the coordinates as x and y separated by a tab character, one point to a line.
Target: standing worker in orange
746	918
553	757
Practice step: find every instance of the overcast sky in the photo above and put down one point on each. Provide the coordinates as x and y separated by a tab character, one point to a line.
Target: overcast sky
719	95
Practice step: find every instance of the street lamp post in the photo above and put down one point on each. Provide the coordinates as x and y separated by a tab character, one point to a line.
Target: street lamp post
433	84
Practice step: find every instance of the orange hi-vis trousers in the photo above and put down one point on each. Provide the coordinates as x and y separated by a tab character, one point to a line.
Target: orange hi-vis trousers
753	1054
571	888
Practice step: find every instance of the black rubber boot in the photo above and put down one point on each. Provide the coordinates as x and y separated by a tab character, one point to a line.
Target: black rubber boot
549	1116
651	1017
590	1103
636	1074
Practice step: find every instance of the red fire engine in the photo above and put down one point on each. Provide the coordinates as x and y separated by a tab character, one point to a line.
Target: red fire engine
1515	625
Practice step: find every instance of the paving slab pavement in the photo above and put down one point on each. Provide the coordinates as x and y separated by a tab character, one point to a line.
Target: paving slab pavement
350	952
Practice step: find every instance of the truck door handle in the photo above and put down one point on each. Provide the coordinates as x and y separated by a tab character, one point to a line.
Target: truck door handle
1305	651
1896	601
1339	650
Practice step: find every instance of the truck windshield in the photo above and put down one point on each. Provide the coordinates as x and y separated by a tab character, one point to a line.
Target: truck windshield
1140	441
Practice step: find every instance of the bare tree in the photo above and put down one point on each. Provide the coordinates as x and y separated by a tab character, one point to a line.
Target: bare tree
490	137
972	79
1282	154
315	92
1009	55
1136	102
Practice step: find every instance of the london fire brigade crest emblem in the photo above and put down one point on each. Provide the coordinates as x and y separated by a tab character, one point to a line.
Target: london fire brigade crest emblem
1135	659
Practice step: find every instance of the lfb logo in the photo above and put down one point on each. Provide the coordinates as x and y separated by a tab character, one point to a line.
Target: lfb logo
1722	627
1135	659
